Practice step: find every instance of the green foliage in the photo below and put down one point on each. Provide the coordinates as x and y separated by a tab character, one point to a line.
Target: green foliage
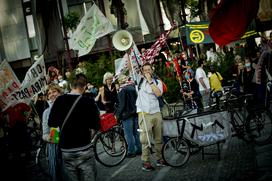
168	76
105	63
71	20
97	68
223	66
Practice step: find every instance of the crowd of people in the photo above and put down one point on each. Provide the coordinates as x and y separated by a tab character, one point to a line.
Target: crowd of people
74	107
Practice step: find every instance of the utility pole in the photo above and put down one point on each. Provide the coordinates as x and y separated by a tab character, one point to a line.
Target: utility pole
160	16
69	60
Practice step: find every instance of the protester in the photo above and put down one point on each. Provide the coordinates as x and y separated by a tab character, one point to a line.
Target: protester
52	74
216	79
186	62
211	56
109	93
245	77
63	84
19	140
53	91
75	139
98	99
92	89
126	112
150	118
190	92
203	82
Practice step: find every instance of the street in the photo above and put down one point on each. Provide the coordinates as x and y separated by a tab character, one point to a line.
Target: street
239	161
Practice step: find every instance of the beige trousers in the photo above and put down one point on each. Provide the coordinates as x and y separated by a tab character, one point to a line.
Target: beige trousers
154	128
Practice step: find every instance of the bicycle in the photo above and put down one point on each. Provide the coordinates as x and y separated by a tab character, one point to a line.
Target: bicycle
110	149
192	138
252	123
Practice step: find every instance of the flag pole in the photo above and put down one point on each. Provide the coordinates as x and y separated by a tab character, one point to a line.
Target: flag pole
137	86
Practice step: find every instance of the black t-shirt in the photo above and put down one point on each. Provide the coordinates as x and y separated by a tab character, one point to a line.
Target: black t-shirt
84	117
111	98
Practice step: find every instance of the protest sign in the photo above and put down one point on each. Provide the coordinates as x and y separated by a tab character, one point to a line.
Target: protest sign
9	83
34	82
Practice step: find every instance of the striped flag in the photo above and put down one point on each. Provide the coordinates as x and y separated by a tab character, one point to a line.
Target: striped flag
154	50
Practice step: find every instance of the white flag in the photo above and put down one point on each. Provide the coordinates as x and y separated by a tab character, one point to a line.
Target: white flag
34	82
121	64
92	26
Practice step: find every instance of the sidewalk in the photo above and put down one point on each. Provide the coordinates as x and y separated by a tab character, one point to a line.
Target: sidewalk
239	161
264	162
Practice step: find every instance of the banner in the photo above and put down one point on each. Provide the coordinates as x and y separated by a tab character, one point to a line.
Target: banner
92	26
34	82
9	83
121	64
197	33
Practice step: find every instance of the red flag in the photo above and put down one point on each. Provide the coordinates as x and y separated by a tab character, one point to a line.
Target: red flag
230	19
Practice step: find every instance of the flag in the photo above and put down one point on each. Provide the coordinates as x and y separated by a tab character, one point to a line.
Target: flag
230	19
9	83
122	64
154	50
34	82
92	26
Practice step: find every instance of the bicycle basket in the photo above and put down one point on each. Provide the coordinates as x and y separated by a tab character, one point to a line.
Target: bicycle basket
107	121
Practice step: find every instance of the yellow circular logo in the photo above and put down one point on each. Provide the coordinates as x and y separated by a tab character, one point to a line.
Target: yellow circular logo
197	36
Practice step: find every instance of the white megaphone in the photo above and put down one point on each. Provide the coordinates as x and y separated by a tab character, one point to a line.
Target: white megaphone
122	40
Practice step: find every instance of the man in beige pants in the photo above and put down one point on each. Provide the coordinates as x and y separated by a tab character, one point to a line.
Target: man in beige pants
150	118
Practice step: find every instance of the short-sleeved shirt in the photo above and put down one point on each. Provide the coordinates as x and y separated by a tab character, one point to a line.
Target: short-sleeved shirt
147	101
215	81
200	73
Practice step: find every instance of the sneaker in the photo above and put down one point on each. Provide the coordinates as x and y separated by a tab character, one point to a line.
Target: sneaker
161	163
147	167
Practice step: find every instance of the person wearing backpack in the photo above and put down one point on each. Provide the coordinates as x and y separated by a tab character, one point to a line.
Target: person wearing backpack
215	79
149	116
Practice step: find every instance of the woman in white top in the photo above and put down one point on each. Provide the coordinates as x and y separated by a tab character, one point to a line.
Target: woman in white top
53	91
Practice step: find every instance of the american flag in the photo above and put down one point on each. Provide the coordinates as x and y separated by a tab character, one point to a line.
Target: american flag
154	50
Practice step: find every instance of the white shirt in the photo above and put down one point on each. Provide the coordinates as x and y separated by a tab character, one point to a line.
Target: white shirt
200	73
147	101
45	127
211	56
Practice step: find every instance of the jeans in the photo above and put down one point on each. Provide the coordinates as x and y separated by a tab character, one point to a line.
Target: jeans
53	164
130	126
79	165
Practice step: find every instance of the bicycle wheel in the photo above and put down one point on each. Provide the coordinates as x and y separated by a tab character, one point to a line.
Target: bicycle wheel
42	159
110	148
176	152
259	126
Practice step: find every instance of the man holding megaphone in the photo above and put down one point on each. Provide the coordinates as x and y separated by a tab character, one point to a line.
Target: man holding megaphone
147	103
150	118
